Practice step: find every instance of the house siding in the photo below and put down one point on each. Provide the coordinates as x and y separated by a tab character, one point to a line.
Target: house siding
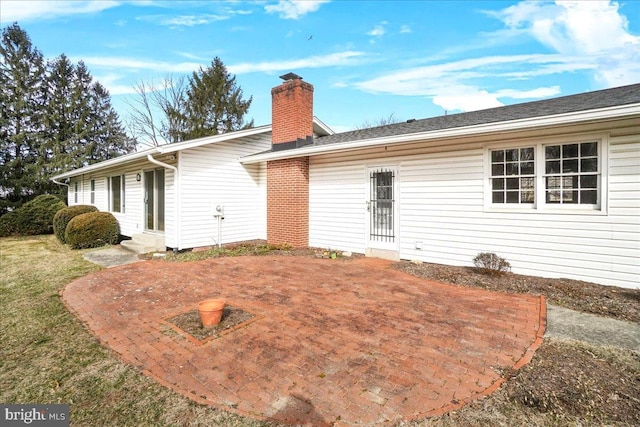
441	207
212	175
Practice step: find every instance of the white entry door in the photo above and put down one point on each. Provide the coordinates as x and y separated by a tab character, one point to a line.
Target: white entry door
382	208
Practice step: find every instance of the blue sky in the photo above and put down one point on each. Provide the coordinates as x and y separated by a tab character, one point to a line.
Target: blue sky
366	59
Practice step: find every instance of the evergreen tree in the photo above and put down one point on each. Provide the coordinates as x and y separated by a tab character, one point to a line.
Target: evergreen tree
53	119
108	138
22	97
81	125
214	103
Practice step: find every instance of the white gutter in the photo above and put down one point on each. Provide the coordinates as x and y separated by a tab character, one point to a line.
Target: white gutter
608	113
176	192
59	183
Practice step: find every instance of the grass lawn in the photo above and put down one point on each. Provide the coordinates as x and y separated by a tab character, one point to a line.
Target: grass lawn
46	356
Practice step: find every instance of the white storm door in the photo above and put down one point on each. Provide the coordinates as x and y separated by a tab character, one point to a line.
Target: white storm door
382	208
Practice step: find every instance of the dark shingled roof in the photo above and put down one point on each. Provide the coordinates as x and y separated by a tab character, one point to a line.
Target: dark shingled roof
567	104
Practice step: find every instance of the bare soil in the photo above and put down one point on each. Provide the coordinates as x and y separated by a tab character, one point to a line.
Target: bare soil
191	324
608	301
566	383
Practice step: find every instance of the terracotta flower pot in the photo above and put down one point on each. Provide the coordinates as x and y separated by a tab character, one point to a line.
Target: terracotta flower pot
211	311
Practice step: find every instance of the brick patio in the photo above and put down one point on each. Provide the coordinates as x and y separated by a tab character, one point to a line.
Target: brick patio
334	342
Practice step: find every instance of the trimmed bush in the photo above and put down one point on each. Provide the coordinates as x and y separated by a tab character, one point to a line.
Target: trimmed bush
34	217
63	216
492	264
91	230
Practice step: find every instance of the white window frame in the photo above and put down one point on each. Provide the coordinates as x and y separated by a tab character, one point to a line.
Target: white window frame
92	191
122	194
75	192
540	204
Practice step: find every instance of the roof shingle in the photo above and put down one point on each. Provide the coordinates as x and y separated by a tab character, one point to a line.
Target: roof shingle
618	96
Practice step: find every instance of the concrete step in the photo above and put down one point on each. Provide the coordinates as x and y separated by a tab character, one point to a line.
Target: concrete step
143	243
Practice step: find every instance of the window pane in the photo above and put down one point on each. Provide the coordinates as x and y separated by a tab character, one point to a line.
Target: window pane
570	197
552	166
511	155
512	197
497	170
526	197
589	149
497	156
527	168
527	183
513	183
553	196
570	166
569	182
115	194
526	154
570	150
552	152
589	181
553	182
589	165
497	197
589	197
512	169
497	183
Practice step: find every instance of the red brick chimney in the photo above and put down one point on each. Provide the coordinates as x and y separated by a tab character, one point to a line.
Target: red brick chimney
288	179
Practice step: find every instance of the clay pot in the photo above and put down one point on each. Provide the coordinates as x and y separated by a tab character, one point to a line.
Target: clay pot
211	311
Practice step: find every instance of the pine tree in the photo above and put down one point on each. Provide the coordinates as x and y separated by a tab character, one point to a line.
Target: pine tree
22	97
214	103
81	125
52	119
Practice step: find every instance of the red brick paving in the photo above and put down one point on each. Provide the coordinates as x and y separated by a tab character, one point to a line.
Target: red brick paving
350	342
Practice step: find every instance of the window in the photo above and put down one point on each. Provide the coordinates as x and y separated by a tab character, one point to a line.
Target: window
571	173
116	192
563	175
75	192
93	191
513	175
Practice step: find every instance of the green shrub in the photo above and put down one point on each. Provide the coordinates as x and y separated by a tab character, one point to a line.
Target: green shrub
63	216
492	264
34	217
93	229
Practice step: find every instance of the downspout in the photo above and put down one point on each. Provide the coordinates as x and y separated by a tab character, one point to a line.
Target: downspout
62	183
176	181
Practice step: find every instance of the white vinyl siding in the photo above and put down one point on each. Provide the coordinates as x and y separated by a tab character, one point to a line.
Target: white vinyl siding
442	210
337	202
212	175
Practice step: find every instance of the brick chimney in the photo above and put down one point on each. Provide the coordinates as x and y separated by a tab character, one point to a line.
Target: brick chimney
288	179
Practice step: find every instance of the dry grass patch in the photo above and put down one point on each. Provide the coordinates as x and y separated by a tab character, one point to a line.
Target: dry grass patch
47	356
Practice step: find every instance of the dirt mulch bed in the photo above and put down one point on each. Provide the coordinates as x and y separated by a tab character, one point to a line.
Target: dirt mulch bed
608	301
190	322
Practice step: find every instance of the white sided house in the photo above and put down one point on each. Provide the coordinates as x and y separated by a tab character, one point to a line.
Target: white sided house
553	186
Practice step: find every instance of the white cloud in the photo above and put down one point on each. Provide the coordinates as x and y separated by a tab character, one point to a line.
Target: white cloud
111	62
292	9
183	20
405	29
109	66
378	30
30	10
454	85
331	60
590	29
